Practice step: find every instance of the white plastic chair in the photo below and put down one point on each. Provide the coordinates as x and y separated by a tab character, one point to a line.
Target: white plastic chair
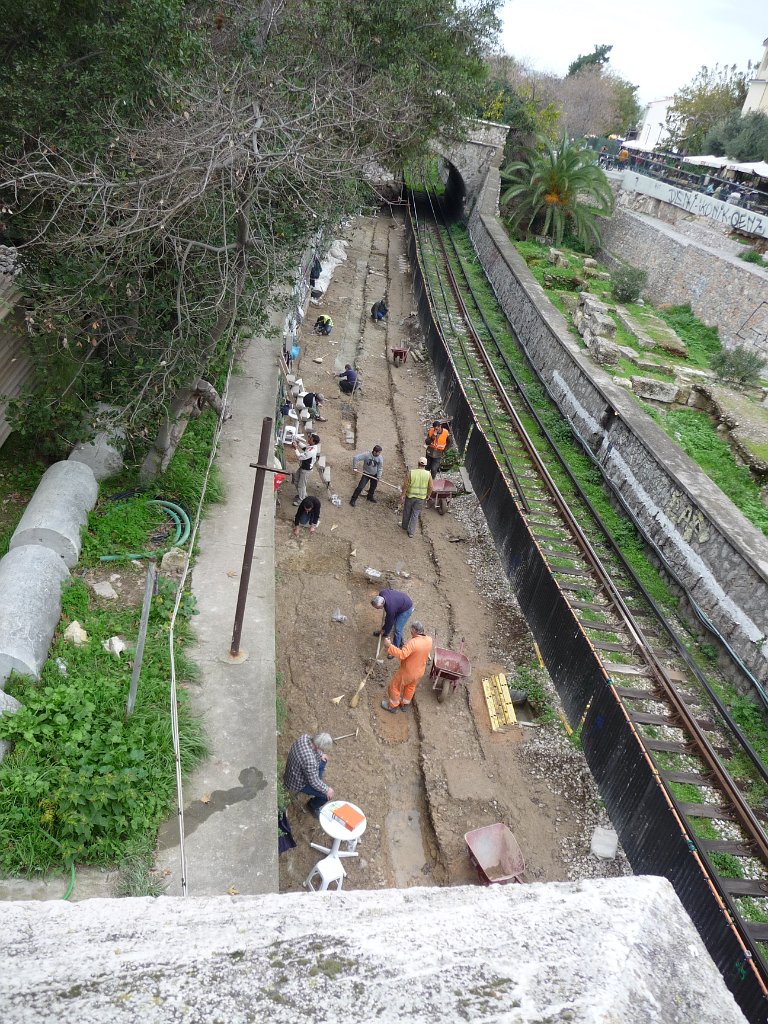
329	869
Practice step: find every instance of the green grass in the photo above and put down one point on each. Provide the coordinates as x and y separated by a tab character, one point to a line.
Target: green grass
122	527
83	783
531	678
701	342
751	256
697	436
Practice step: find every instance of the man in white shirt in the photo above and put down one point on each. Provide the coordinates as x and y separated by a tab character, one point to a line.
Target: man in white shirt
308	450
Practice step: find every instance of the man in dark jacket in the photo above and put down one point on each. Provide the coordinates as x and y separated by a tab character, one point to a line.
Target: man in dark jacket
397	610
379	310
347	380
307	514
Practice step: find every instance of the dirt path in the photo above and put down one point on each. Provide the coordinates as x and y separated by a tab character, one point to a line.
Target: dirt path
427	777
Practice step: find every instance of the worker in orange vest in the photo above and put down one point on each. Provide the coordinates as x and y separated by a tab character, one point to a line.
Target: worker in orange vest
413	660
436	443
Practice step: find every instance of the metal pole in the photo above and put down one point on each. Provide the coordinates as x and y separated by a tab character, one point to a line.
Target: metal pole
138	657
265	448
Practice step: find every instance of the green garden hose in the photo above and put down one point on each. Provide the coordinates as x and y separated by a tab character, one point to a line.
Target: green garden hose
183	529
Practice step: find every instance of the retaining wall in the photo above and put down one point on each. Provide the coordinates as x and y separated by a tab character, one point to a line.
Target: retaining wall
715	554
722	290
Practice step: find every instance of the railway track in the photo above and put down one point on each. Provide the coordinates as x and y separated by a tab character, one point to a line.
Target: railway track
710	774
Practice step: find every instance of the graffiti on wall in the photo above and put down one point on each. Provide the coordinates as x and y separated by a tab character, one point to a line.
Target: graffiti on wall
688	519
698	204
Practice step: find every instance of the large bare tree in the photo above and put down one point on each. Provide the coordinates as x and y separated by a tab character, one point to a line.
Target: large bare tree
141	256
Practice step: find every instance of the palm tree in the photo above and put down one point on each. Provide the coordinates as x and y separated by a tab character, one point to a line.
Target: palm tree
555	188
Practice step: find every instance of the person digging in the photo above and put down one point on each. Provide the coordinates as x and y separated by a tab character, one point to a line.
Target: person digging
413	656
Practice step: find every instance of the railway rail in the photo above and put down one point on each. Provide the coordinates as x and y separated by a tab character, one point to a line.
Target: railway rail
712	779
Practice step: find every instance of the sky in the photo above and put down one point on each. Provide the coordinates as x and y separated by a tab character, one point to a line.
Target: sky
658	44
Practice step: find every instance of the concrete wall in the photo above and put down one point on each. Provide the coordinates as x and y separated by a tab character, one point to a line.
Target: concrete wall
586	952
671	245
720	558
736	218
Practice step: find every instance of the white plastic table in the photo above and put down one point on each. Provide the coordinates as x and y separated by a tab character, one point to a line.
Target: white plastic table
338	831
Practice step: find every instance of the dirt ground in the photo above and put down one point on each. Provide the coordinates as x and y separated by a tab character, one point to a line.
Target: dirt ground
423	778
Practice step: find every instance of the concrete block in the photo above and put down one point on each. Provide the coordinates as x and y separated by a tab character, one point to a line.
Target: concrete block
103	458
327	475
58	510
655	390
30	605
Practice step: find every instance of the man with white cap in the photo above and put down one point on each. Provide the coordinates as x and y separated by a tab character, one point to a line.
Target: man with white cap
416	488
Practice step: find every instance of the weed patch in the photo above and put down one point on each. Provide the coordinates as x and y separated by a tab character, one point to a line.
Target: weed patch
696	435
83	783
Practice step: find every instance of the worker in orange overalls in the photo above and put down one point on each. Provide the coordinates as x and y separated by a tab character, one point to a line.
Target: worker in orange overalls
413	660
436	443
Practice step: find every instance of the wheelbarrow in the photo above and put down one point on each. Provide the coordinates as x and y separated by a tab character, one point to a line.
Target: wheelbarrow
400	355
448	667
496	854
442	492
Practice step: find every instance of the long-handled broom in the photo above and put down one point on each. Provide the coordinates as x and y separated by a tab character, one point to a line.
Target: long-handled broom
356	695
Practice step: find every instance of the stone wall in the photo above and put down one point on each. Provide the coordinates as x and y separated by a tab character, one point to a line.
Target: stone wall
715	554
722	290
472	158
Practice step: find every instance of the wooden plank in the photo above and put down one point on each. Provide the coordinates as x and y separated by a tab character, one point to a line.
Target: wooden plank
648	718
692	778
618	668
726	846
568	571
628	694
605	645
607	627
744	886
504	700
666	747
706	811
757	930
586	606
487	690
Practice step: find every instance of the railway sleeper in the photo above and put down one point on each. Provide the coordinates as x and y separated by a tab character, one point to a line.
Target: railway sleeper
686	778
712	811
607	627
736	849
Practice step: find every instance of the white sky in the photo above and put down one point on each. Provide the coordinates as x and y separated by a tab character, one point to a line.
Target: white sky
657	44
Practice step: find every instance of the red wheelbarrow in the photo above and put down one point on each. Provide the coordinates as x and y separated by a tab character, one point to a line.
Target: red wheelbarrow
400	355
496	854
442	492
448	667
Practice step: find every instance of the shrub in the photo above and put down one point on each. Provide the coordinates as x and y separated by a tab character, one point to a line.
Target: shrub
751	256
627	282
738	364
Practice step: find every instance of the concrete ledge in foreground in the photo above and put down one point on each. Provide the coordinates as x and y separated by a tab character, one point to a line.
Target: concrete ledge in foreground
618	950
